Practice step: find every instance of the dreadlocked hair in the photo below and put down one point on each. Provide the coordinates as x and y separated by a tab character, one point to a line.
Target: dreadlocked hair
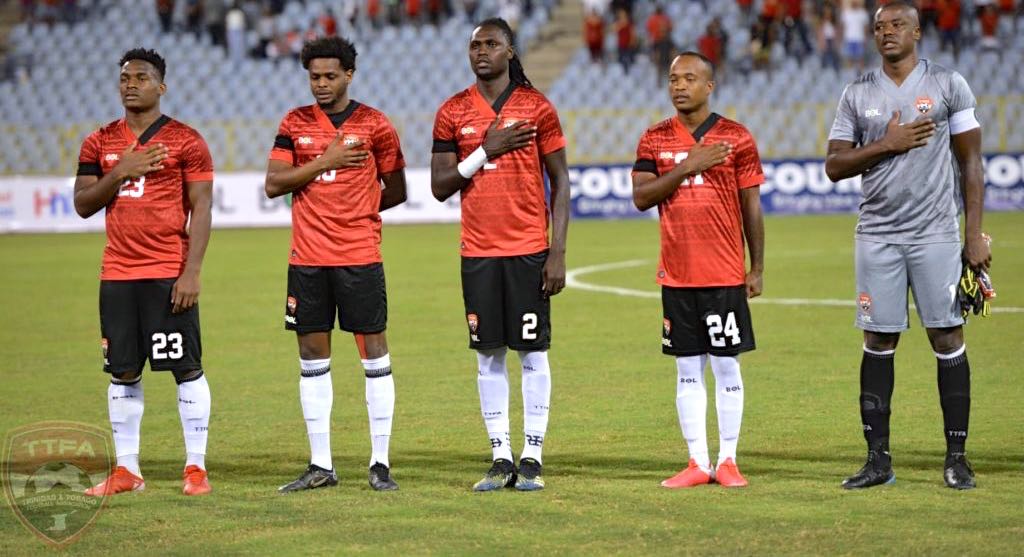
516	74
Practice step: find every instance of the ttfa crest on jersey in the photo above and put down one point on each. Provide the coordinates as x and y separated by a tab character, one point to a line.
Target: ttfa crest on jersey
105	345
864	302
923	105
474	323
666	326
292	304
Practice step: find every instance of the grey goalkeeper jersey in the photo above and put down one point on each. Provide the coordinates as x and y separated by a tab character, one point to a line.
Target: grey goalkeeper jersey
909	198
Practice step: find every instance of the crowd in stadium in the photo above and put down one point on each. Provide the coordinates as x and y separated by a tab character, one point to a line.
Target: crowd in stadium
836	32
226	22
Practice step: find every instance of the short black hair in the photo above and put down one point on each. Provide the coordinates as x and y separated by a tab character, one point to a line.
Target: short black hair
146	55
330	47
707	61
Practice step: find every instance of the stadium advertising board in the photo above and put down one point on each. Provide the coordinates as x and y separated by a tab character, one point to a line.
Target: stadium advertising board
46	204
793	186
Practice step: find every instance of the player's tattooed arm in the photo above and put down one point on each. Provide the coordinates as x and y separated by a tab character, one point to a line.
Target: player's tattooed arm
94	193
650	189
185	292
284	178
846	160
554	267
967	150
394	189
445	180
753	231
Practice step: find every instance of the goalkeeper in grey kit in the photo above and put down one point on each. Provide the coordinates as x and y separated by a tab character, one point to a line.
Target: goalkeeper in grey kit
899	127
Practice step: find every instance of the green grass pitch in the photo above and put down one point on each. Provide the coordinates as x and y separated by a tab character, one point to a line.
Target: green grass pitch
613	434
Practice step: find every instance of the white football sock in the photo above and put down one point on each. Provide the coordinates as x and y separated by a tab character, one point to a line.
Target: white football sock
194	409
729	403
380	406
536	401
125	403
492	382
316	393
692	406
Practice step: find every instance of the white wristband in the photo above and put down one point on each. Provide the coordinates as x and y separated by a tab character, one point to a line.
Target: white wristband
474	162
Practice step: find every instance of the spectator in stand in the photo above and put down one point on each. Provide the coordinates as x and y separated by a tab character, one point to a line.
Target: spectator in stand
949	25
828	37
794	26
165	11
373	12
1008	9
435	10
710	44
234	25
214	12
28	11
627	5
48	11
394	10
659	35
926	9
855	20
593	35
760	47
625	38
470	7
265	27
746	10
327	24
770	13
413	11
194	16
988	18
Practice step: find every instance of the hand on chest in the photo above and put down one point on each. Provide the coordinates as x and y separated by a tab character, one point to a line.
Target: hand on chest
673	154
875	115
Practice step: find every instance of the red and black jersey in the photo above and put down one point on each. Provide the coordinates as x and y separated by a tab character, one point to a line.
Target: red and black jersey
147	236
701	222
504	211
336	217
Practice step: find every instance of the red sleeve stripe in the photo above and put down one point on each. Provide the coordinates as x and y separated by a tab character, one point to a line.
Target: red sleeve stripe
552	145
751	181
199	176
282	155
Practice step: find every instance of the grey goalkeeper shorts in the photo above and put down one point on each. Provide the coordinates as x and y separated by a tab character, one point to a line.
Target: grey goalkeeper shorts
886	271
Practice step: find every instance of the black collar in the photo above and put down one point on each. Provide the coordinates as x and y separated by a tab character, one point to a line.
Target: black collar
153	128
338	118
503	97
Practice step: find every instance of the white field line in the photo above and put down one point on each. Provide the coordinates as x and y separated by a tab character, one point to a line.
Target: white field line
573	280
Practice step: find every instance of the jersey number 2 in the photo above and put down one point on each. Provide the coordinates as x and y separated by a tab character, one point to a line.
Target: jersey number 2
696	180
719	332
529	326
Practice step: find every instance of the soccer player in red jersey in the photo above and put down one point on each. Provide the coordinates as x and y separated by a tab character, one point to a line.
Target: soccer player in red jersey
154	177
703	173
492	143
333	157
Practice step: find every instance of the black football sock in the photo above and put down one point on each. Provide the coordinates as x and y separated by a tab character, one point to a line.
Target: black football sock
877	378
955	396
